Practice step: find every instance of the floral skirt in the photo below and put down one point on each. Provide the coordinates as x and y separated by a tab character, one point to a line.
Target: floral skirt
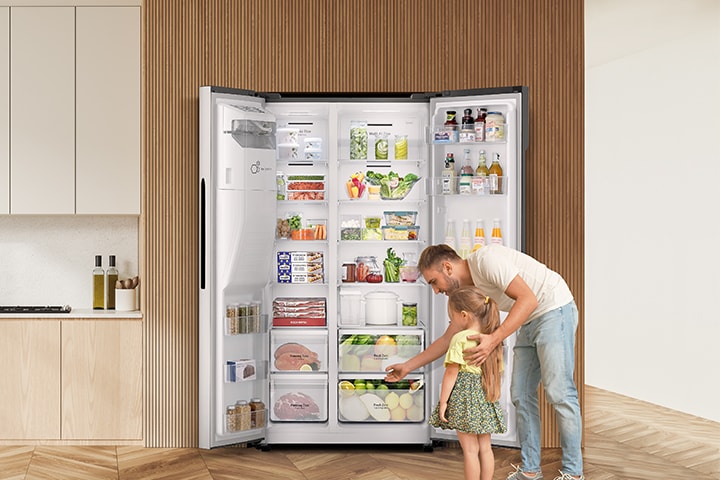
468	410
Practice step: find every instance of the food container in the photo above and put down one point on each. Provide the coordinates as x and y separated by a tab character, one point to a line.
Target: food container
381	146
400	232
368	269
371	234
298	350
382	308
350	227
373	192
399	218
401	147
288	135
372	222
350	307
313	144
371	400
313	154
287	151
494	127
299	398
409	273
358	140
409	314
373	351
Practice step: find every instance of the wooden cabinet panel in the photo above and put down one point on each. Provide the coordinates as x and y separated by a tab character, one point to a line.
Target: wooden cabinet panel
30	383
102	380
4	110
42	110
108	110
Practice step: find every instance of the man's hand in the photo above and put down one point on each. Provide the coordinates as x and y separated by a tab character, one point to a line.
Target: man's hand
396	372
477	355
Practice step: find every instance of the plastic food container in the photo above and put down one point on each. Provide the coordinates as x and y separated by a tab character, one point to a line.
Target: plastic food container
397	218
369	400
288	135
313	143
372	222
287	151
313	154
400	232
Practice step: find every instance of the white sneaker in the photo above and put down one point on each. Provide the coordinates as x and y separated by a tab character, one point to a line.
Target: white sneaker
566	476
519	475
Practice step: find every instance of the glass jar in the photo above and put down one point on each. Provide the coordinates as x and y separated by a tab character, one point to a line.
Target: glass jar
257	413
368	269
230	419
381	146
242	415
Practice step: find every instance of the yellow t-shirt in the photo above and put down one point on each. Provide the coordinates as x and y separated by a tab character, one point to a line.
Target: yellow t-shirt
455	352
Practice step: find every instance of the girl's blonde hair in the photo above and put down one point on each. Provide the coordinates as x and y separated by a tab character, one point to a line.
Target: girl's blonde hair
484	308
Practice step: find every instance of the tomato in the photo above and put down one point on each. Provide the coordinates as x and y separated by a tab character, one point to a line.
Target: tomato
374	278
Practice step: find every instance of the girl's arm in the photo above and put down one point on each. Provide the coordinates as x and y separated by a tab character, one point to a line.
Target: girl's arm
448	382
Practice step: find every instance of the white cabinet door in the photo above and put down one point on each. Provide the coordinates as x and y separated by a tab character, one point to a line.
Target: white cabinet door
42	110
108	110
4	110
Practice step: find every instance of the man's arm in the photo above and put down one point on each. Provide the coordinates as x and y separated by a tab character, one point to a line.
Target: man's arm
434	351
525	304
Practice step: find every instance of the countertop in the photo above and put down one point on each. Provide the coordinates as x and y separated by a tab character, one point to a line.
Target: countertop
75	314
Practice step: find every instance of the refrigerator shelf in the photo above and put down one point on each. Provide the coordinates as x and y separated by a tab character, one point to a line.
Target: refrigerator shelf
477	189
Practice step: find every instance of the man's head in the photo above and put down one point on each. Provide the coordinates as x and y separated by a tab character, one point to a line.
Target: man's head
443	269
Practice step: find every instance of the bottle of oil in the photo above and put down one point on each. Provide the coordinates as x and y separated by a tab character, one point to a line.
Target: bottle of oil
98	284
111	276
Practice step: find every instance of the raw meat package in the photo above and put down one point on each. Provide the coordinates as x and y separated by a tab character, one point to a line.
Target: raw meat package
299	311
299	350
295	399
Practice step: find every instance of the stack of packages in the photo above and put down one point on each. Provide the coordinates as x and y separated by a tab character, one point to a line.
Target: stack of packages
299	311
300	267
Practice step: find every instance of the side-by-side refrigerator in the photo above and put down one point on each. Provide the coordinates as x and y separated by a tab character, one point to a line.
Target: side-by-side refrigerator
314	209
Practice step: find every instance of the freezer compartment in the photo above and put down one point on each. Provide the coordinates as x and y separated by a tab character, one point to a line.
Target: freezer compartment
363	351
296	398
299	350
364	399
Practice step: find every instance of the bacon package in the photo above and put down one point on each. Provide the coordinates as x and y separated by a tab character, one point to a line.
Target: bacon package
299	311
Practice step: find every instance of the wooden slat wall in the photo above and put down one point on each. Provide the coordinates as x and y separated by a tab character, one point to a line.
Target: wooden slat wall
341	46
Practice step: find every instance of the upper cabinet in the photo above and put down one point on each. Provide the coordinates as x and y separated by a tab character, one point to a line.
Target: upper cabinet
107	126
42	110
74	115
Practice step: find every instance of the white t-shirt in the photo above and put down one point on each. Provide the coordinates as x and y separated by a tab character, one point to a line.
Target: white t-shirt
493	267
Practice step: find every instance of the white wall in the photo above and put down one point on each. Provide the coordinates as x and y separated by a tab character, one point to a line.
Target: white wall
48	260
652	157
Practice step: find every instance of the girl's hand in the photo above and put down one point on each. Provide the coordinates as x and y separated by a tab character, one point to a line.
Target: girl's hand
478	354
396	372
443	409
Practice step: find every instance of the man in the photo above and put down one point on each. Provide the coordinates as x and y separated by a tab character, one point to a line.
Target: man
542	309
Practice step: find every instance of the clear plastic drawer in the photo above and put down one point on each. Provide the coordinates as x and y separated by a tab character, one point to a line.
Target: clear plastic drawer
295	398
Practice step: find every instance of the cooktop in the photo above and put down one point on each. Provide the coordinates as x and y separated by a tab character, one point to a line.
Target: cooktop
35	309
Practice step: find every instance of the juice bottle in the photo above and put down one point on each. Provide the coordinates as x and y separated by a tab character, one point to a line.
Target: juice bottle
496	173
479	238
496	236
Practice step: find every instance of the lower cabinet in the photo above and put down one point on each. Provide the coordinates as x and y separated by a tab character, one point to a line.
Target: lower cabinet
71	380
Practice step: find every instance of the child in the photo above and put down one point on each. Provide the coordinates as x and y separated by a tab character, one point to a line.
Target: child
469	394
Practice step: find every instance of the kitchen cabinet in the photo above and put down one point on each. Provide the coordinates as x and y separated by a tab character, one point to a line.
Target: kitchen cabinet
4	110
42	110
76	381
108	110
30	356
101	380
74	122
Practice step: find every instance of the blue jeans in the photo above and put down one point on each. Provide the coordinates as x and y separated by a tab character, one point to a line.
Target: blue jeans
545	350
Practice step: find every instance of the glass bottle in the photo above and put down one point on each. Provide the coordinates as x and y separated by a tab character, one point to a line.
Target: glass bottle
466	175
448	175
451	125
465	239
496	174
496	236
467	127
111	277
479	237
480	183
450	233
257	413
480	125
98	284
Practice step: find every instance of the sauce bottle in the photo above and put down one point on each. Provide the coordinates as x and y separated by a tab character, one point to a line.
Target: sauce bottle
451	125
466	175
496	173
467	128
448	175
480	125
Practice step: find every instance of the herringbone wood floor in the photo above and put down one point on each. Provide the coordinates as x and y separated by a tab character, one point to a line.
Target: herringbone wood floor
624	439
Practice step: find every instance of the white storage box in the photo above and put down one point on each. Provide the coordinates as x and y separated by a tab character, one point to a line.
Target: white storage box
295	398
298	350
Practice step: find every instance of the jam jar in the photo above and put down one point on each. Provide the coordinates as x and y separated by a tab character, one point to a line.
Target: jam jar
368	269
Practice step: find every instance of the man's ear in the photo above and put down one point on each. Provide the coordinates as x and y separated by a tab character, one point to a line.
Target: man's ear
447	267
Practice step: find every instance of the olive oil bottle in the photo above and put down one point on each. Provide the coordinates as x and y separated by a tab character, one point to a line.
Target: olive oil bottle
98	284
111	277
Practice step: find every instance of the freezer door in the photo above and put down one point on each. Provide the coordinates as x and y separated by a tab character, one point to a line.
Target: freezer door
237	224
458	210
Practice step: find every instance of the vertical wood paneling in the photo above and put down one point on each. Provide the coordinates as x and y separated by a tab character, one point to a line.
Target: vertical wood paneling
331	46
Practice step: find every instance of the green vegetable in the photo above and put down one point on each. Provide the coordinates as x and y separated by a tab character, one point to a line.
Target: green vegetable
392	265
392	186
295	222
306	177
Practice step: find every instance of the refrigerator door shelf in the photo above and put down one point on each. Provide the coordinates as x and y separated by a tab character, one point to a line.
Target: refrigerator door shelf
441	135
372	400
296	398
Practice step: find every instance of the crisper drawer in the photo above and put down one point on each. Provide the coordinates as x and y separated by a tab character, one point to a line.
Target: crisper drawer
296	398
295	350
363	351
370	399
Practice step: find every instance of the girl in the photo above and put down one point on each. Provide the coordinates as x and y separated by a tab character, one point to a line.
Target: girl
469	394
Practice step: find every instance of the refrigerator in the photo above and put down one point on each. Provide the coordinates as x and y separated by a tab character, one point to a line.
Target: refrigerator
313	211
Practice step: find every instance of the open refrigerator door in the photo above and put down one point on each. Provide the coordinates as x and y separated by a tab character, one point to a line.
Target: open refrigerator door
468	213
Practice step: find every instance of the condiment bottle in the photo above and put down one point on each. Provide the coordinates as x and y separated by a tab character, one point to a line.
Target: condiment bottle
98	284
467	129
465	239
480	125
111	277
448	175
480	183
451	125
466	175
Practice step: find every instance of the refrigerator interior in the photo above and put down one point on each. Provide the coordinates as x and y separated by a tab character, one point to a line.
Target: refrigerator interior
278	321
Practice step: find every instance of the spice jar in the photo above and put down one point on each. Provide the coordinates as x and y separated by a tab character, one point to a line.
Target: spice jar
348	272
242	415
257	413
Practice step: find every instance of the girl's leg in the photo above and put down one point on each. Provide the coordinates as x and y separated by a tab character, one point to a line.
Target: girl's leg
471	448
487	458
